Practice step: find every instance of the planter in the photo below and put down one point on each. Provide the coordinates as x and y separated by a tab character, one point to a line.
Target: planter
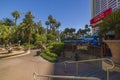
114	46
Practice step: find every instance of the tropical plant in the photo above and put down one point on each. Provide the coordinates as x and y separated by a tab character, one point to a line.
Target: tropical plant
111	23
40	39
57	47
16	15
8	22
87	29
68	33
4	34
13	34
53	25
47	23
51	37
39	28
28	24
53	51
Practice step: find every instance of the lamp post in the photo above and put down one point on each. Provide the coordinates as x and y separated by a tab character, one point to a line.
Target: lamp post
59	39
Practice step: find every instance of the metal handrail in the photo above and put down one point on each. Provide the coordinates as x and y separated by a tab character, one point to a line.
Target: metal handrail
91	60
64	77
35	75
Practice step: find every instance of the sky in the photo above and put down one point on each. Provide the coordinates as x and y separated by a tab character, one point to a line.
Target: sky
71	13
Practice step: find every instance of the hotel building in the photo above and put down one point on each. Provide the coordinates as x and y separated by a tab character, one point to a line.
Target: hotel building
99	10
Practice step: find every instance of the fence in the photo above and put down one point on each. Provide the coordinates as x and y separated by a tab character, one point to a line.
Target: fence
37	76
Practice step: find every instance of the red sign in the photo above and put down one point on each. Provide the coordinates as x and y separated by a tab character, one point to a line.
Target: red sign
101	16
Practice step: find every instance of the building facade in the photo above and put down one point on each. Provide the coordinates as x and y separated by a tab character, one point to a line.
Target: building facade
99	9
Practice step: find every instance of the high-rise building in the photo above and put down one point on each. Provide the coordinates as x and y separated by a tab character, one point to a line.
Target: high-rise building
99	10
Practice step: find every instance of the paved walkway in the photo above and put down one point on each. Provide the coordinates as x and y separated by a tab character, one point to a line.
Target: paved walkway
22	67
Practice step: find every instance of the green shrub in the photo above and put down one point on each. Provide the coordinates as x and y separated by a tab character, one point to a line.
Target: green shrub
49	58
49	53
38	43
52	51
58	47
26	45
49	46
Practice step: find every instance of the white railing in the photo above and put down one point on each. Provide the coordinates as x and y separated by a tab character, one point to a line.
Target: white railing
36	75
91	60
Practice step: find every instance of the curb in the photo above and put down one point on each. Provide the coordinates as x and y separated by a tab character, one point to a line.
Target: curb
14	55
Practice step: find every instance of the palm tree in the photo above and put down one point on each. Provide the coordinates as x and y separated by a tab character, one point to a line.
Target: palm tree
54	25
69	33
87	29
66	33
4	36
51	21
13	34
8	22
78	33
82	32
21	33
28	23
47	23
38	28
57	30
16	15
57	24
111	23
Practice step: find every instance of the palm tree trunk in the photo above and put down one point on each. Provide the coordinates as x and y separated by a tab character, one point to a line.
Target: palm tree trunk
47	29
15	21
29	33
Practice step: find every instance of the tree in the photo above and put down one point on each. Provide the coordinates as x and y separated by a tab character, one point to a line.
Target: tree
28	24
68	33
40	39
53	27
111	23
87	29
4	36
78	33
38	28
15	34
47	23
57	24
16	15
81	32
8	22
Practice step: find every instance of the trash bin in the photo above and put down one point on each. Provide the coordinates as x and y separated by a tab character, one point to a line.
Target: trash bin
37	53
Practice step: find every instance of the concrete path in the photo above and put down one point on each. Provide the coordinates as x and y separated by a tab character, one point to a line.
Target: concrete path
22	67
